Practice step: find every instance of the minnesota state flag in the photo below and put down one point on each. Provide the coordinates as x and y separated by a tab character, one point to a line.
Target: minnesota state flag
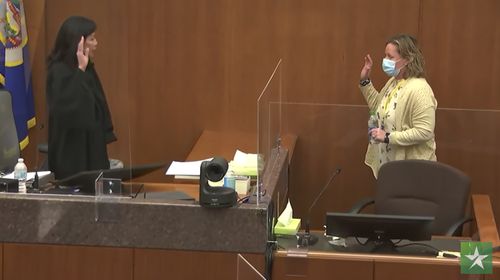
15	71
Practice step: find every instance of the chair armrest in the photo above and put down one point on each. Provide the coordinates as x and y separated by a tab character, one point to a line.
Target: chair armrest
361	204
452	231
43	148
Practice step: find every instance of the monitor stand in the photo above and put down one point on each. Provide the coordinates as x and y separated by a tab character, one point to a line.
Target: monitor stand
371	245
380	245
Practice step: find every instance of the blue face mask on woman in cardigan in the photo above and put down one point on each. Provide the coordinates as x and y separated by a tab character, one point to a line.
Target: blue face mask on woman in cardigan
389	67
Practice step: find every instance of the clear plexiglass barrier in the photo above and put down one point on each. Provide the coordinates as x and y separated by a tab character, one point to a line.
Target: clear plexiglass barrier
120	102
333	137
327	171
269	126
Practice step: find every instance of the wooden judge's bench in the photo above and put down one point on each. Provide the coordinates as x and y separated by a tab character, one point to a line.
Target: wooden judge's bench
47	236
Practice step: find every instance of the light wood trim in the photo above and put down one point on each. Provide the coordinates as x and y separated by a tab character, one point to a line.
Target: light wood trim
485	219
371	257
485	222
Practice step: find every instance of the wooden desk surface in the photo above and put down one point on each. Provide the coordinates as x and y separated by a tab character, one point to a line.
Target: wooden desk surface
222	143
323	260
192	190
225	143
321	263
372	257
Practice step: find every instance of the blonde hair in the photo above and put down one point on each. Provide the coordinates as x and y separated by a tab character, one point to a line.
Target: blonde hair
407	47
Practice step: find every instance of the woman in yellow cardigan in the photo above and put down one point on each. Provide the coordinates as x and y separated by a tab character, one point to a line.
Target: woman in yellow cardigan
405	108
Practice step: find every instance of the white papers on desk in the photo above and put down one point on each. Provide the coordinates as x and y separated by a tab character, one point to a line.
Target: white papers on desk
185	168
244	164
31	175
244	159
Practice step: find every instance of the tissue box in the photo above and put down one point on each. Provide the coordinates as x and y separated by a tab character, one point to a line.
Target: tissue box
291	229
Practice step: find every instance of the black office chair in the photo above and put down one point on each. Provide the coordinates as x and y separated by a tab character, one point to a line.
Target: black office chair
43	148
9	144
422	188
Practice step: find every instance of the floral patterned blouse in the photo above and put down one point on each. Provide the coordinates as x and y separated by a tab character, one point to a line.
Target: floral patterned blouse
386	116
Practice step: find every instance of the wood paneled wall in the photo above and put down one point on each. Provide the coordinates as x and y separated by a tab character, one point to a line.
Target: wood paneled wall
90	262
172	68
35	21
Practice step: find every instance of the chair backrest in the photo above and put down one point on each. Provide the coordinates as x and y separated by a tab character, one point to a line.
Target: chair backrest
423	188
9	144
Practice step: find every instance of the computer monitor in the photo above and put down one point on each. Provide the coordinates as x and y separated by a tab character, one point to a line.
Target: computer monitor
85	180
9	144
380	229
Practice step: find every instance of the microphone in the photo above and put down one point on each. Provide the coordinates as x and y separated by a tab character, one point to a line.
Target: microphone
34	184
305	239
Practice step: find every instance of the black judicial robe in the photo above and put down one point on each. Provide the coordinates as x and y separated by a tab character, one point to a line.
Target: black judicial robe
80	124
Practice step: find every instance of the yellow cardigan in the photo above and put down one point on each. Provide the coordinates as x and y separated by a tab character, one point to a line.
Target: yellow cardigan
415	121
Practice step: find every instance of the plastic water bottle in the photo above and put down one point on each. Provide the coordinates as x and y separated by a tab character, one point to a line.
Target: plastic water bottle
230	180
21	174
372	123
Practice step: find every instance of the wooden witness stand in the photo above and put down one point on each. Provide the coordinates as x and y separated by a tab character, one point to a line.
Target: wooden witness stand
325	264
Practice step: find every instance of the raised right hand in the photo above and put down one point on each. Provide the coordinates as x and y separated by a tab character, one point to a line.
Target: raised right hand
82	55
365	71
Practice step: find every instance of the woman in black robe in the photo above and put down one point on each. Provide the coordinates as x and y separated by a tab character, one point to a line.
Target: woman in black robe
80	124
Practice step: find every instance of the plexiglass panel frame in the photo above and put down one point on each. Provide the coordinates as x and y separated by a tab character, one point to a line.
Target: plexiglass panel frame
269	125
114	75
333	136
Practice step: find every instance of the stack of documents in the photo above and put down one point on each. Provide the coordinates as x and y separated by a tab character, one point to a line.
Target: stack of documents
244	164
186	169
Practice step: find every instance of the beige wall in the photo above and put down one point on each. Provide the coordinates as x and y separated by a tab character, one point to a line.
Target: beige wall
172	68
